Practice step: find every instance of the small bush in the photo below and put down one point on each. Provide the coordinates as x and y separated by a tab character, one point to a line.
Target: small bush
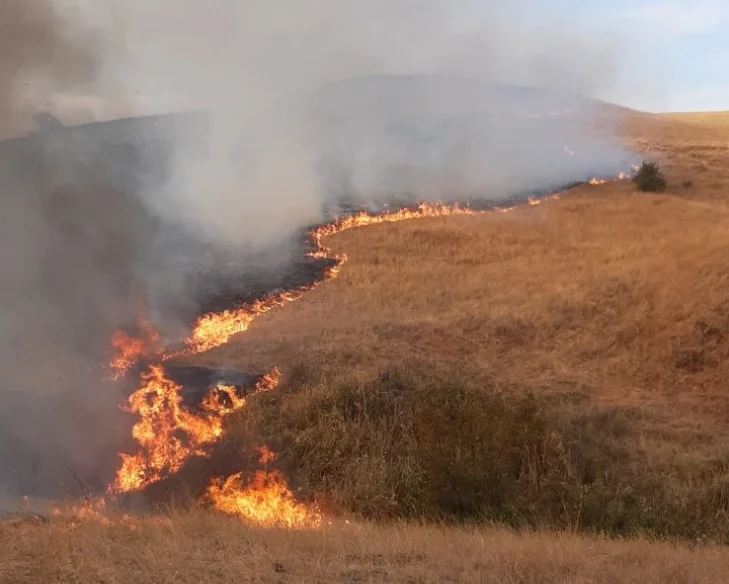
649	178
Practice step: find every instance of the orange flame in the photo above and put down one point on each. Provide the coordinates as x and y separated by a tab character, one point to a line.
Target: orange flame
90	510
216	400
215	329
129	349
167	433
265	501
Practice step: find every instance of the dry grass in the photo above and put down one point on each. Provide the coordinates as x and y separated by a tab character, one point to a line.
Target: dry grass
198	547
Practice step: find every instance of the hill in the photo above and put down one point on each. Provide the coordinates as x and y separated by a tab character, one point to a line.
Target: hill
558	366
606	307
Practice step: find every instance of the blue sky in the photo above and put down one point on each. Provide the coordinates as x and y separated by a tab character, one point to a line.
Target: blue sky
675	53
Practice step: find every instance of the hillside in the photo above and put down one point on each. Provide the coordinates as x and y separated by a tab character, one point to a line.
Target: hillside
607	306
561	366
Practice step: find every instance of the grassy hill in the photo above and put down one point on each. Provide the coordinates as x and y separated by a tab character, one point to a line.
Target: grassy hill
560	367
595	325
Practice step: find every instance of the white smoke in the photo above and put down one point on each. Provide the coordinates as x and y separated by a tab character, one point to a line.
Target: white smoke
256	66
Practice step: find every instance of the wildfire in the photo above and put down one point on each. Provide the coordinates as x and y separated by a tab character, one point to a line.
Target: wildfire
167	433
92	509
620	176
224	400
130	349
215	329
362	219
265	501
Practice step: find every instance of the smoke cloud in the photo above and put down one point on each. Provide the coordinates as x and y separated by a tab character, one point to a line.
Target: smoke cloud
285	132
301	107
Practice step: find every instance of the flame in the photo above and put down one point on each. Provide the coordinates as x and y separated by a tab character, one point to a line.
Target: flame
92	509
266	455
162	450
265	501
130	349
620	176
224	400
167	433
215	329
364	218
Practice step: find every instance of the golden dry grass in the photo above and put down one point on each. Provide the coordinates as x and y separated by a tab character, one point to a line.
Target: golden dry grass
198	547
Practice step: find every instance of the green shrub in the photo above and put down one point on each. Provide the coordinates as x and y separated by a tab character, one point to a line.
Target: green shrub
649	178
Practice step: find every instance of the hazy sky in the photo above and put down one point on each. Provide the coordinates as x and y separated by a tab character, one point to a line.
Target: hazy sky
680	48
654	55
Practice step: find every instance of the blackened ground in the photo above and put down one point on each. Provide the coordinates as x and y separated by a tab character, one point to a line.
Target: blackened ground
197	382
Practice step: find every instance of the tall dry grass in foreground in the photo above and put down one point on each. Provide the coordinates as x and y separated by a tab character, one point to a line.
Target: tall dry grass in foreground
199	547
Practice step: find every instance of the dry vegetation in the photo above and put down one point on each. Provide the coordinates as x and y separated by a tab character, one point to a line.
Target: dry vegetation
196	547
561	366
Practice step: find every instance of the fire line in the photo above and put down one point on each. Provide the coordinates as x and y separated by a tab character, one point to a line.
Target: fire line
168	435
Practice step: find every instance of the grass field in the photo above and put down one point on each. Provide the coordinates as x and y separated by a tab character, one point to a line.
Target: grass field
559	367
194	548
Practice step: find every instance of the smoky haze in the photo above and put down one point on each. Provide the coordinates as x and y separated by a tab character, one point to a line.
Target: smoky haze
305	106
287	132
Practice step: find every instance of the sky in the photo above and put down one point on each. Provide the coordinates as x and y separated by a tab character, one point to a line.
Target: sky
652	55
675	52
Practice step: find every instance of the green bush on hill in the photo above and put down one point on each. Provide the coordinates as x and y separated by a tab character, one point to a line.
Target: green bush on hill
649	178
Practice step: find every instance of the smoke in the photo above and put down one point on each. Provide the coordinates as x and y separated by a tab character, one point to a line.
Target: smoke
304	106
286	133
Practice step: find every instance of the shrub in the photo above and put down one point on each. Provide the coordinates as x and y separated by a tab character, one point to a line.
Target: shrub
393	447
417	445
649	178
